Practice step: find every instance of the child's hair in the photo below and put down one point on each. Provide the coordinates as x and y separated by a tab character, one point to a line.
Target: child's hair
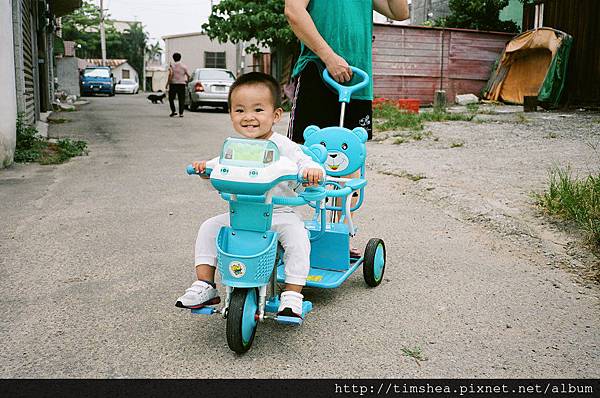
256	78
176	57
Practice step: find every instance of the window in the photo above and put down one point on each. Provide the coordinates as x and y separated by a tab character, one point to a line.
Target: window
214	60
125	73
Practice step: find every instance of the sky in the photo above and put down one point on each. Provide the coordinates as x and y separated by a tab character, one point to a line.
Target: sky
161	17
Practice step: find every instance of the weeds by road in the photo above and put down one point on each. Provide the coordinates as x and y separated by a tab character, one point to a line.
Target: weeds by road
574	199
33	148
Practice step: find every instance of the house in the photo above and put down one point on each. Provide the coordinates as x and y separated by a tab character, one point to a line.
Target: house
199	51
578	18
27	31
120	68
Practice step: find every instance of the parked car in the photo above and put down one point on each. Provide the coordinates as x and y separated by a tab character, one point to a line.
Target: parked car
127	86
209	86
97	80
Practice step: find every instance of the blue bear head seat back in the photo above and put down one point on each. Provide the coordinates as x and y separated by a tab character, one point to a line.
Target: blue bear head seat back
346	149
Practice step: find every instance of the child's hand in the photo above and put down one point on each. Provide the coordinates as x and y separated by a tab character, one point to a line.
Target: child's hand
312	176
200	167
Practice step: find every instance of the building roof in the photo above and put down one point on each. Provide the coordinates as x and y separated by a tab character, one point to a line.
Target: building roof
113	63
183	35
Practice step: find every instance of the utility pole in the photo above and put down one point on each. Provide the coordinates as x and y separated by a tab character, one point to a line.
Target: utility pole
102	35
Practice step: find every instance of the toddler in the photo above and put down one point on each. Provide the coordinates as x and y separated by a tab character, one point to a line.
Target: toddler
254	106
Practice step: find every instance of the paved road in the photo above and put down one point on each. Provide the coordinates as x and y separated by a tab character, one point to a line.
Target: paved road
94	252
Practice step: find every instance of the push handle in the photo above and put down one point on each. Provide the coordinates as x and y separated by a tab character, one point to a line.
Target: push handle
345	92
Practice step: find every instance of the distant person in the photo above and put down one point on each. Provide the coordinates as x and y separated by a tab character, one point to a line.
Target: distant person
178	78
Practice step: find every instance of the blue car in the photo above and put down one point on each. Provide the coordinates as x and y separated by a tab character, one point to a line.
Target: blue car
97	80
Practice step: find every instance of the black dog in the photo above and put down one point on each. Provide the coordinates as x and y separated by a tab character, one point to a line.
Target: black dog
156	98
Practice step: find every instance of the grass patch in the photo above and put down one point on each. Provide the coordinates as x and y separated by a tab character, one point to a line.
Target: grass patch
457	144
33	148
576	200
391	118
551	135
473	108
414	353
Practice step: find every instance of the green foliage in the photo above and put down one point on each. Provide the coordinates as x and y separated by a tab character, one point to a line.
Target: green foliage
574	199
245	20
33	148
477	14
82	27
29	143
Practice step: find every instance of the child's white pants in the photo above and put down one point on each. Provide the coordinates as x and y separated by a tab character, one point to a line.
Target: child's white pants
290	231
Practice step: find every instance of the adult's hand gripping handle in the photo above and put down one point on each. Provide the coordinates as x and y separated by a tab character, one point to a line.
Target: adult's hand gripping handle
345	92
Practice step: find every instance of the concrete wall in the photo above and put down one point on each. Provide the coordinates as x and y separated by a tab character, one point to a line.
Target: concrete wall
67	75
8	110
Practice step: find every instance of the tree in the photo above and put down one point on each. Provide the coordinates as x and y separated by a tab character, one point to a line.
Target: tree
478	14
82	27
134	46
244	20
154	51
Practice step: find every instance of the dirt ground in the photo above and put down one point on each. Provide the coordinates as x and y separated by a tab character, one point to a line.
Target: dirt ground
487	170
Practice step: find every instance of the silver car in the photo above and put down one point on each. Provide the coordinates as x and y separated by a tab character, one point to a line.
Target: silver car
209	86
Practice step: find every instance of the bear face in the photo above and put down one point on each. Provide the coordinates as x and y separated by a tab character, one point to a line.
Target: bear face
346	149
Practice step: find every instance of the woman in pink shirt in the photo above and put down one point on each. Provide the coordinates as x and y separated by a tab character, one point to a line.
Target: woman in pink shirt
178	78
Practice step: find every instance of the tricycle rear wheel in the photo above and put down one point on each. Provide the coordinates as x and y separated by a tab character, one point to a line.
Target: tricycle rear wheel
374	262
241	320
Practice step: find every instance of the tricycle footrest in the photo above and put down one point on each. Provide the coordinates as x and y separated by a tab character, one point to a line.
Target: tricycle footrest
204	310
289	320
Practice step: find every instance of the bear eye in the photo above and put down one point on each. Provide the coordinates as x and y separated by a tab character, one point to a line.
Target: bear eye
322	143
344	146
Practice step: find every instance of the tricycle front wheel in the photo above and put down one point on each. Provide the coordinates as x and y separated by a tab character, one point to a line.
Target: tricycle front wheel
374	262
241	320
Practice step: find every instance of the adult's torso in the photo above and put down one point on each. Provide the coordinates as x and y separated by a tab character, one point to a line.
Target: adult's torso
179	72
347	26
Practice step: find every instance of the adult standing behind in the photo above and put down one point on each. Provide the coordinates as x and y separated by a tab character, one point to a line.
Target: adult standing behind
178	78
334	34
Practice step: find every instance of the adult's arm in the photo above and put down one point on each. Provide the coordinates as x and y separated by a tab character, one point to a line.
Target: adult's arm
304	28
393	9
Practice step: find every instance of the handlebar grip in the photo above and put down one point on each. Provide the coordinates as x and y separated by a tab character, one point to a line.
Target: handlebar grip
192	171
345	92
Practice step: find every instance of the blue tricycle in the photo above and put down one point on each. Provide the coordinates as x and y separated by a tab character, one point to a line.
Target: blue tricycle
250	261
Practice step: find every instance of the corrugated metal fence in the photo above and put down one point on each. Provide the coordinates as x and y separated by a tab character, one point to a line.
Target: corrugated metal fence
415	61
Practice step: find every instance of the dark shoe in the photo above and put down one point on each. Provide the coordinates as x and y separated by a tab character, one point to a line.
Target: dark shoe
172	114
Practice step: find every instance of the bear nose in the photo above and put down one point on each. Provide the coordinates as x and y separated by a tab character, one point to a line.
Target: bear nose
333	155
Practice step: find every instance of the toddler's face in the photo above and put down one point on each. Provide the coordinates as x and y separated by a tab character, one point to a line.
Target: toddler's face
252	111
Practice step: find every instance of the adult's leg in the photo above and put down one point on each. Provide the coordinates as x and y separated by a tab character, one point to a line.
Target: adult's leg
314	103
172	94
181	97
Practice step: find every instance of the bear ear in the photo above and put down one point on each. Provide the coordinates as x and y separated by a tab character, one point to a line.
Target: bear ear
361	133
310	130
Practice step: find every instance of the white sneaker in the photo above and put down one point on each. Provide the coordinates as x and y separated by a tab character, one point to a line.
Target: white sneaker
198	295
291	304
